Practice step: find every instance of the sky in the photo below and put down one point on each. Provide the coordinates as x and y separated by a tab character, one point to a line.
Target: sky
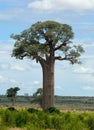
70	80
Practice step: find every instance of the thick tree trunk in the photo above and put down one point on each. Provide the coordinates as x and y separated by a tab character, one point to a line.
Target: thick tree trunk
48	85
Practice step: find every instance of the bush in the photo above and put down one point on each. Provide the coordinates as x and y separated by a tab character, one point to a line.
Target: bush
57	122
32	110
2	127
11	108
21	119
53	110
9	118
90	122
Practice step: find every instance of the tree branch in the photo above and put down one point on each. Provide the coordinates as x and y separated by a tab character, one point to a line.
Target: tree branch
64	58
60	58
58	47
42	61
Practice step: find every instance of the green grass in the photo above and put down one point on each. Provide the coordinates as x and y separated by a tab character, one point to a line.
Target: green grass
22	119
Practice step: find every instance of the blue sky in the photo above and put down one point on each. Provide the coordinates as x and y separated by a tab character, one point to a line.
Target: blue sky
70	80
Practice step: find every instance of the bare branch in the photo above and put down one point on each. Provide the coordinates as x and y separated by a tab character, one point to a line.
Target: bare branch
71	59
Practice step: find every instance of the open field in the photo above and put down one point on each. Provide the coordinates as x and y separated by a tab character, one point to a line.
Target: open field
61	102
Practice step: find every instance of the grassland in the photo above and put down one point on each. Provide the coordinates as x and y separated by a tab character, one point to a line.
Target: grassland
61	102
76	113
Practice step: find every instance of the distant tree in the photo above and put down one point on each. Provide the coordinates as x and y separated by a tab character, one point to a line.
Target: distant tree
39	92
38	96
27	97
12	92
47	42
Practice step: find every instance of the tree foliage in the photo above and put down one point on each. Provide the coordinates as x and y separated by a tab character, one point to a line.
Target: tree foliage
38	96
12	92
39	92
41	38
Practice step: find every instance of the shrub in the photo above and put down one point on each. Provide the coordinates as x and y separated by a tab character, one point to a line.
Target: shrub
75	124
32	110
2	127
11	108
57	122
21	118
8	118
53	110
90	122
30	126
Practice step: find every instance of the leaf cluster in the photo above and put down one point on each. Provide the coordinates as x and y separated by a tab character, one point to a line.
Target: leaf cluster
11	92
44	40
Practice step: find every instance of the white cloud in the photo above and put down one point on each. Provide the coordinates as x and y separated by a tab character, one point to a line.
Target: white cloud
62	4
43	4
13	81
33	64
3	52
88	88
6	48
87	56
4	66
83	70
2	79
18	67
88	78
36	82
59	87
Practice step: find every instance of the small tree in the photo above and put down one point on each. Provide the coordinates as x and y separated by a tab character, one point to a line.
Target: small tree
39	92
38	96
12	92
47	42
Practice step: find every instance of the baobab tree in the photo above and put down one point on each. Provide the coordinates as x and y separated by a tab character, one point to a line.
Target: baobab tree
47	42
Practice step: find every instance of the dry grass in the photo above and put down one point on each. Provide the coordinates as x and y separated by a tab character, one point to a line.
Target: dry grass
16	128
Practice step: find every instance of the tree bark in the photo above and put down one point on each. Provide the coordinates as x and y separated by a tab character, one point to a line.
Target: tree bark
48	85
13	101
